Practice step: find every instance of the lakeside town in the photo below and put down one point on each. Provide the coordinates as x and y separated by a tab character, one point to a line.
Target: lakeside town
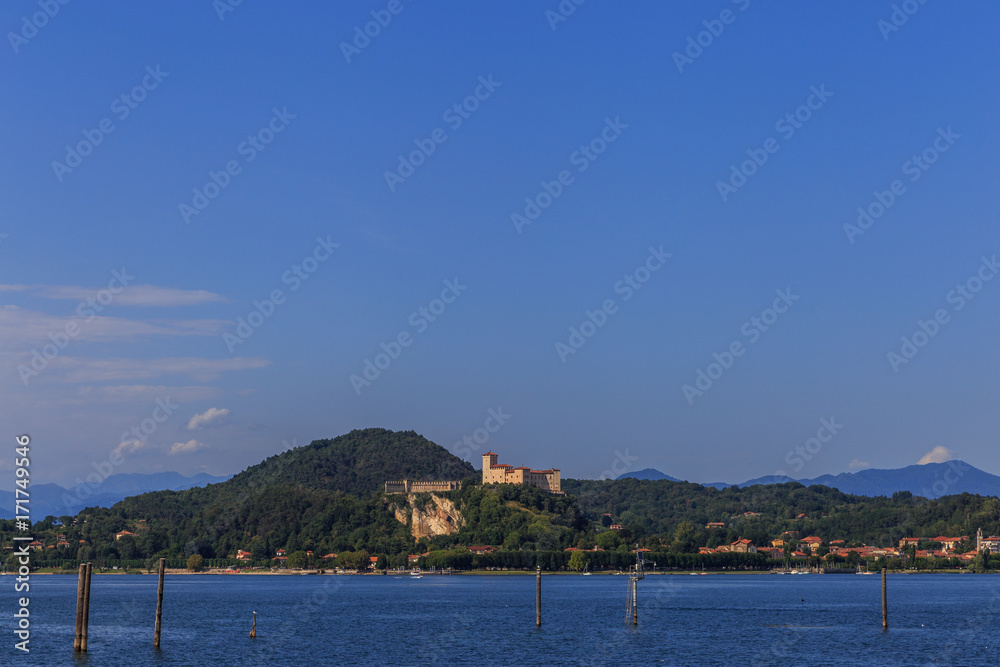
432	511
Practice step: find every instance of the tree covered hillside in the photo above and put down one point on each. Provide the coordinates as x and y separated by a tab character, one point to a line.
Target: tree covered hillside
763	513
358	463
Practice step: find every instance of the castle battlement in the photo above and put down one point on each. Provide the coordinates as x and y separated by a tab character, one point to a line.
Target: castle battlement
407	486
502	473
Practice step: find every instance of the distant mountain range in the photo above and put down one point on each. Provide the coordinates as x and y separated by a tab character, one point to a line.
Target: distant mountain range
647	473
52	499
931	480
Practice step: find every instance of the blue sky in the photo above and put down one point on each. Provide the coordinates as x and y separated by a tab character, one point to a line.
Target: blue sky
334	128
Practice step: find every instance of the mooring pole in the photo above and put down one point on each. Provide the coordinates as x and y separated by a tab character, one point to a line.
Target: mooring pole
80	585
635	602
538	597
253	630
159	604
885	604
86	608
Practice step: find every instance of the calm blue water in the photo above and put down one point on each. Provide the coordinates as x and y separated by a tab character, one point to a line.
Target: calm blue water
466	620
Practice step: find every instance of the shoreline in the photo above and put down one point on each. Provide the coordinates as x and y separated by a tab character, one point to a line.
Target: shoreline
487	573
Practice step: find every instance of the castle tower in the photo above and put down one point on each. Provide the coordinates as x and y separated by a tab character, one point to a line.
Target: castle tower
489	460
979	540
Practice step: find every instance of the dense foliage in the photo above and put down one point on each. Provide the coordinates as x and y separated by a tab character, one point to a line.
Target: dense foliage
325	498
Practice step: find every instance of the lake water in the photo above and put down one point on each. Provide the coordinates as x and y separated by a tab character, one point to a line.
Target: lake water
482	620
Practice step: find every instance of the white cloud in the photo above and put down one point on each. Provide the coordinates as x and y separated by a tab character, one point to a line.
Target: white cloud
22	328
939	454
143	393
209	419
857	464
80	370
187	447
132	295
127	447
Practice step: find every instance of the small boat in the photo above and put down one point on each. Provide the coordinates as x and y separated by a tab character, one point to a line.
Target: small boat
586	570
416	574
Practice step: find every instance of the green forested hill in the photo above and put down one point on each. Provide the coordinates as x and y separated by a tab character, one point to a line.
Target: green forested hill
358	463
325	497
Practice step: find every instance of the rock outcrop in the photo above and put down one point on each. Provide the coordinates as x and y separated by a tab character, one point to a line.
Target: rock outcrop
434	515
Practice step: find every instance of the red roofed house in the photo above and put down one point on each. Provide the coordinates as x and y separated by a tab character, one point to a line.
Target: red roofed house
715	524
482	550
949	542
122	534
812	543
243	555
743	547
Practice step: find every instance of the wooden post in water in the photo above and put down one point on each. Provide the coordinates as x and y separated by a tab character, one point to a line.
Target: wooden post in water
885	604
538	597
635	604
253	630
80	585
159	604
86	608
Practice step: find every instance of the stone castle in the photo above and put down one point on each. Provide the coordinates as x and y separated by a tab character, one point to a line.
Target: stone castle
408	486
501	473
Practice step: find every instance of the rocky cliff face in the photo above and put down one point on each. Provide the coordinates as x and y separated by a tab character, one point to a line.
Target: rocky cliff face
435	516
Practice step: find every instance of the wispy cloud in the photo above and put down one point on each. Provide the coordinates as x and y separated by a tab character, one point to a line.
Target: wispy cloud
858	464
132	295
939	454
188	447
20	328
209	419
79	370
126	393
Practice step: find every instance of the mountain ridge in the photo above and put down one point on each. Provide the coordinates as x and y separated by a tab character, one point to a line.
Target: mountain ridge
929	480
